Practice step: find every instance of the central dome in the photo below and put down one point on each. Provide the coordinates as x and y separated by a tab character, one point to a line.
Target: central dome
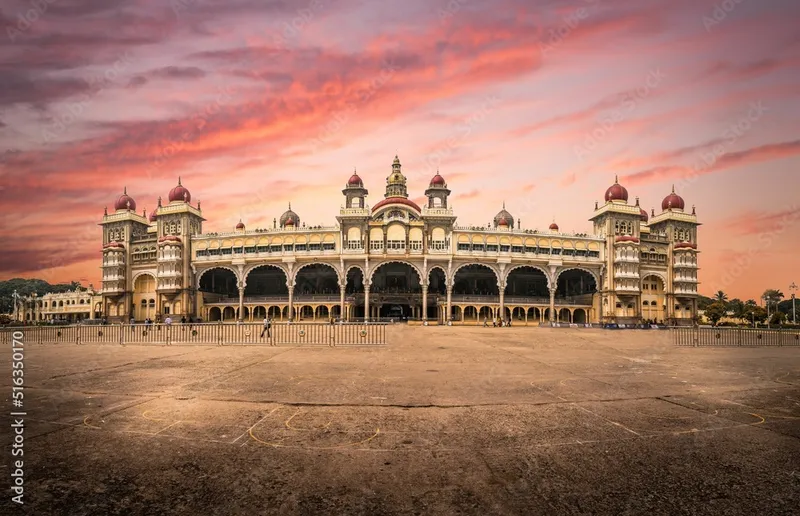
673	201
504	215
289	218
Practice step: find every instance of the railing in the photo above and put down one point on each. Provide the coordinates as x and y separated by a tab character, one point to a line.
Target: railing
328	298
204	334
744	337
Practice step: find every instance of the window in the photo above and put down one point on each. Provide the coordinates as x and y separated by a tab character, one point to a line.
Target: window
477	247
395	244
505	248
463	247
330	246
227	250
249	250
530	250
275	248
300	247
517	249
288	248
314	247
491	248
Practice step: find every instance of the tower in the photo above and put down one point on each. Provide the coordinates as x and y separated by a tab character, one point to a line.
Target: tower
619	223
354	215
437	192
396	182
678	230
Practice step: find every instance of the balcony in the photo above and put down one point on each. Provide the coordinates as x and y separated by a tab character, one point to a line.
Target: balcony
626	259
685	265
354	212
626	288
437	212
626	274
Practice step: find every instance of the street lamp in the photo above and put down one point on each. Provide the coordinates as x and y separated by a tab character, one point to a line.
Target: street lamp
793	289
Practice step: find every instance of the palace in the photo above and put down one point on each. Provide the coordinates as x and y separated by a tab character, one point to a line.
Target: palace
399	260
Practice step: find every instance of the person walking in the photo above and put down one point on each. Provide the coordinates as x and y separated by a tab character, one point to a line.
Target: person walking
267	325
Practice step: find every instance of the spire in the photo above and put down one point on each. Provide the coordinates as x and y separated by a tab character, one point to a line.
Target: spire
198	205
504	205
105	210
616	179
595	205
673	188
637	201
124	190
144	212
159	201
693	210
179	180
290	205
652	212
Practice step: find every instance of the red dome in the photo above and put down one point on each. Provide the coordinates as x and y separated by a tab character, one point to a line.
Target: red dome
616	192
125	202
438	180
685	245
643	215
113	245
553	227
169	238
240	225
672	202
355	180
289	222
627	238
180	193
153	215
502	222
396	200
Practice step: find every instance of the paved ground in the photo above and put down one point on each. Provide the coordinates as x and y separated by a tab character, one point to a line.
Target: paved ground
439	421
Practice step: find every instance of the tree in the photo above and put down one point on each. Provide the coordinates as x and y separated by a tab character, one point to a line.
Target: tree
757	314
738	308
777	318
715	311
721	296
703	302
772	296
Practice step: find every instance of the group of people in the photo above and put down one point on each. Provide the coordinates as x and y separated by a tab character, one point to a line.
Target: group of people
496	323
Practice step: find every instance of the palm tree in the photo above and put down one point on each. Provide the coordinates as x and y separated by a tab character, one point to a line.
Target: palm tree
772	296
722	297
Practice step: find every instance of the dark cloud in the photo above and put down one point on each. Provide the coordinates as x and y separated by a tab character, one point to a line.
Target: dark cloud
178	72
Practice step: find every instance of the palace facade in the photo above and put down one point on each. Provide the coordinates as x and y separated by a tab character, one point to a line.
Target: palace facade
396	260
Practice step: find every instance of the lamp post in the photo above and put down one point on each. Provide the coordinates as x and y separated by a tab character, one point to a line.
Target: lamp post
793	289
766	302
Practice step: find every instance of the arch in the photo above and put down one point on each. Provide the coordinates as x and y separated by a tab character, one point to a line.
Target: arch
437	283
354	233
214	313
303	266
319	278
658	275
279	287
438	234
226	267
396	232
521	282
432	268
594	274
514	267
453	276
579	316
378	266
143	273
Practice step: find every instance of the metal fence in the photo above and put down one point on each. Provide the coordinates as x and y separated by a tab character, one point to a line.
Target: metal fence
734	337
346	334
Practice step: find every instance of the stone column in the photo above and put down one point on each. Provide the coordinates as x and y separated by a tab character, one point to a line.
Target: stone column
291	302
552	305
449	304
241	304
341	302
366	303
424	302
502	313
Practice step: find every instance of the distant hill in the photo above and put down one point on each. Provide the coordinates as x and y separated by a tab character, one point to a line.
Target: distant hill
26	287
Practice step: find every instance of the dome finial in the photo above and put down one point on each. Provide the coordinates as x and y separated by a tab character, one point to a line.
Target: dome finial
159	201
637	201
616	179
290	205
179	181
673	188
105	210
124	190
504	205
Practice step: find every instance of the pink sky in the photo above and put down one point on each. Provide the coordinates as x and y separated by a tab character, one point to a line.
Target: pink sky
535	103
